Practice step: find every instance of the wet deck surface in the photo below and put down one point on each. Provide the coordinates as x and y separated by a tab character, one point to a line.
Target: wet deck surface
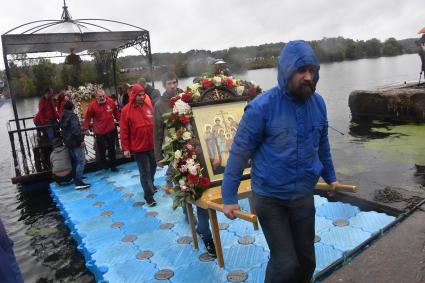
397	257
123	240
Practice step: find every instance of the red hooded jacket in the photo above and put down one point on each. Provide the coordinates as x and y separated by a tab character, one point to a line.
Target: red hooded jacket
136	124
46	112
103	116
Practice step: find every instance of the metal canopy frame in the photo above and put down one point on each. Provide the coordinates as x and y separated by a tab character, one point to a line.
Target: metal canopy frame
34	37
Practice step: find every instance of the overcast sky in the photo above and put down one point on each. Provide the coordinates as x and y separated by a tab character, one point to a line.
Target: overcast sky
181	25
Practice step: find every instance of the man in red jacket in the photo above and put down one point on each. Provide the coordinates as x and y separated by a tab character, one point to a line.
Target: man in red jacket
102	111
47	114
136	134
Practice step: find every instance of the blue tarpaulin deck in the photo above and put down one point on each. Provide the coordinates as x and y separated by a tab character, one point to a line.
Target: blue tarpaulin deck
123	240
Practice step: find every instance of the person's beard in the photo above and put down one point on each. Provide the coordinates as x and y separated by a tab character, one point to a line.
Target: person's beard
303	91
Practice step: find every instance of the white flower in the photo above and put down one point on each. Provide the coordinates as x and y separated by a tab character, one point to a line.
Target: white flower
194	157
193	170
216	81
167	140
195	87
182	184
177	154
181	107
196	95
240	89
187	136
190	162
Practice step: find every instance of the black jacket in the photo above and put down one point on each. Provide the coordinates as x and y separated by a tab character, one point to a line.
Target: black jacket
153	93
71	129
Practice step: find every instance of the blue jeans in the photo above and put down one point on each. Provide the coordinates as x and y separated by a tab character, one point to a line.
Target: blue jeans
147	169
203	227
288	227
78	160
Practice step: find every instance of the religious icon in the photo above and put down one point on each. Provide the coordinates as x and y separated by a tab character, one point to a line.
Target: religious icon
216	126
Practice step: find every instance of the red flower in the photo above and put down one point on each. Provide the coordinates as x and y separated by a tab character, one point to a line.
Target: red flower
172	101
193	179
204	182
174	117
252	92
229	83
186	97
184	119
206	84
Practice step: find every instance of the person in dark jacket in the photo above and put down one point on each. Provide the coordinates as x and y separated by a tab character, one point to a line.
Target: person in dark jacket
47	114
9	269
61	163
73	138
284	131
170	83
136	134
104	112
153	93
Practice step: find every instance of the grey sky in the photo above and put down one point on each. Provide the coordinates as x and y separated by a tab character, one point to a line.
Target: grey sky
181	25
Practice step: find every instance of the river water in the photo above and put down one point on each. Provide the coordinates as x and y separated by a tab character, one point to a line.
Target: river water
372	155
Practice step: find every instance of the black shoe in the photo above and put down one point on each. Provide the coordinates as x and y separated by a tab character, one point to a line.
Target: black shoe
81	186
209	245
151	203
114	169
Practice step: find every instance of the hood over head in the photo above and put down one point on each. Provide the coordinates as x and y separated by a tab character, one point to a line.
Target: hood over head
295	55
134	91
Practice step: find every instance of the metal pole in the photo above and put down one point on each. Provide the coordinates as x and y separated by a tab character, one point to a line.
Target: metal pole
114	55
150	60
15	158
15	111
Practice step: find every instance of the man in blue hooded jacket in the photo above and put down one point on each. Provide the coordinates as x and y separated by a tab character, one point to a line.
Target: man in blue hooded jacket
284	131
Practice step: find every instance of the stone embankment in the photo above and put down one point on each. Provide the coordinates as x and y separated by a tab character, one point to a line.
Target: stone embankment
404	103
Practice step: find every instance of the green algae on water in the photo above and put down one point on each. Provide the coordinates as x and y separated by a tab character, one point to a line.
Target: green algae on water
406	143
40	231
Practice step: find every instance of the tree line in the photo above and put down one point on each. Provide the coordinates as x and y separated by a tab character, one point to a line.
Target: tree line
30	77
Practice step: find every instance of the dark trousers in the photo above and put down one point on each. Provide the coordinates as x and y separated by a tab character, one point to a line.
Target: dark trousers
288	227
63	180
103	143
147	168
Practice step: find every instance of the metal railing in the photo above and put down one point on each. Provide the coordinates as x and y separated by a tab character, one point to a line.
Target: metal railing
34	156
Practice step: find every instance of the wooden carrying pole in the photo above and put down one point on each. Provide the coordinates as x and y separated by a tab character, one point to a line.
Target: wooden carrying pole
341	187
238	213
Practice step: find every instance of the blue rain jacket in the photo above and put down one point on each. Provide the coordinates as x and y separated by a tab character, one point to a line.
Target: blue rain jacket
287	140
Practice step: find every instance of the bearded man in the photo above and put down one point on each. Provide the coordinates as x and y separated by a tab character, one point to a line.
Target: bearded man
284	131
